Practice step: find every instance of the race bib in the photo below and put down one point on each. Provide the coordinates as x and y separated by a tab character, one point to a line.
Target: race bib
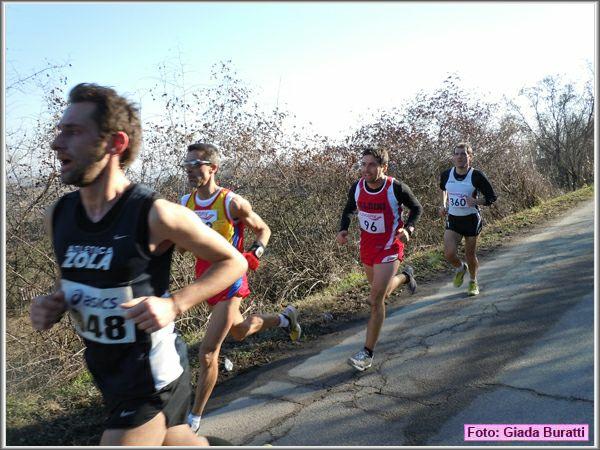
371	222
207	216
96	313
457	200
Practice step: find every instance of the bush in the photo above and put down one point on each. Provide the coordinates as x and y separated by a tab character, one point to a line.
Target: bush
297	183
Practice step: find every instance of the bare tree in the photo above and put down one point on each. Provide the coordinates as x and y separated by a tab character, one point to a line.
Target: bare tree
560	122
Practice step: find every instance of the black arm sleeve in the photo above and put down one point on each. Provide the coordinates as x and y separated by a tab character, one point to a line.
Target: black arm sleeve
482	184
444	179
405	197
349	209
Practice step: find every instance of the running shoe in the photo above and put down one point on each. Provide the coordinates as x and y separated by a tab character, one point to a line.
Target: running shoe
195	426
361	360
473	288
460	275
412	283
291	314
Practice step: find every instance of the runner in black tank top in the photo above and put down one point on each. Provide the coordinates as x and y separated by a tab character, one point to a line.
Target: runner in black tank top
113	242
112	253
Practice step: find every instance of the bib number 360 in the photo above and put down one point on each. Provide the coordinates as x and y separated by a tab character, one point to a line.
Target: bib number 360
458	201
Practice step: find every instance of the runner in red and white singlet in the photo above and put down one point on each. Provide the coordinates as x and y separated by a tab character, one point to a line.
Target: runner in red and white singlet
379	217
379	201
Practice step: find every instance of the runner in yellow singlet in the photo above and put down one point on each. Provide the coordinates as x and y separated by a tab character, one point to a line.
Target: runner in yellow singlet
228	214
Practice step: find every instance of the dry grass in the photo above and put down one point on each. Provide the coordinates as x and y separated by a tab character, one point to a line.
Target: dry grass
68	411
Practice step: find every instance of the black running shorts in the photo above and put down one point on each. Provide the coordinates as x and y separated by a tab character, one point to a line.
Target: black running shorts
174	400
465	225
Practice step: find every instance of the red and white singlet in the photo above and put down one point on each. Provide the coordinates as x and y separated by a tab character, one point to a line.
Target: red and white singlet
379	218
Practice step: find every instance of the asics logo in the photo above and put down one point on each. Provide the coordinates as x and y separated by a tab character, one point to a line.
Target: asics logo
76	297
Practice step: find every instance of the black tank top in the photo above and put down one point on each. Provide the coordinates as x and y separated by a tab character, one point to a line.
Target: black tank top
114	251
104	264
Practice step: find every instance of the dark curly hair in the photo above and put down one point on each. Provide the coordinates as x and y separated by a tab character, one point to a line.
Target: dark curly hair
113	113
380	154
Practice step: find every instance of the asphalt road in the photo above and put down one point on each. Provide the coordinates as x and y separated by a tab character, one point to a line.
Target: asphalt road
520	352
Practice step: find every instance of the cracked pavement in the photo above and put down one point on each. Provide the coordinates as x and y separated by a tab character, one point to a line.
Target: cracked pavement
520	352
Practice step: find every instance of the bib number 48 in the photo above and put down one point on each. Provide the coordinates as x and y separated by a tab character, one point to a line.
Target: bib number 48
112	327
107	329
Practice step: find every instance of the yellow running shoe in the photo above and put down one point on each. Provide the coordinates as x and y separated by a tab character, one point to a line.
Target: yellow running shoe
294	328
460	275
473	288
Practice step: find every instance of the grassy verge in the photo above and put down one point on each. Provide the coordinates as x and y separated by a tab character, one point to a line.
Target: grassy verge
72	414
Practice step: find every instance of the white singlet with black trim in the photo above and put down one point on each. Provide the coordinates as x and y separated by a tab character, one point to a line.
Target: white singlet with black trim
458	191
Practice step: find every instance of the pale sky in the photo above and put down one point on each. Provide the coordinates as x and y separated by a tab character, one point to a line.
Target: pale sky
329	63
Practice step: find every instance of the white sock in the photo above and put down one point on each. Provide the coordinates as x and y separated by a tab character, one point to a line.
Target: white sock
194	421
283	321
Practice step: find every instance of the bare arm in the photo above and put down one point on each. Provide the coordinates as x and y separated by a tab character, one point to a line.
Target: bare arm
171	223
242	210
182	202
444	208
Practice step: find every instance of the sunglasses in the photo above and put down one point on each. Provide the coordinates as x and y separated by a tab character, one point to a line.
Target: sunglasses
192	164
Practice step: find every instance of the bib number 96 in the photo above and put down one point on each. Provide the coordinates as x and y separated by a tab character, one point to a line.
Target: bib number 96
371	223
